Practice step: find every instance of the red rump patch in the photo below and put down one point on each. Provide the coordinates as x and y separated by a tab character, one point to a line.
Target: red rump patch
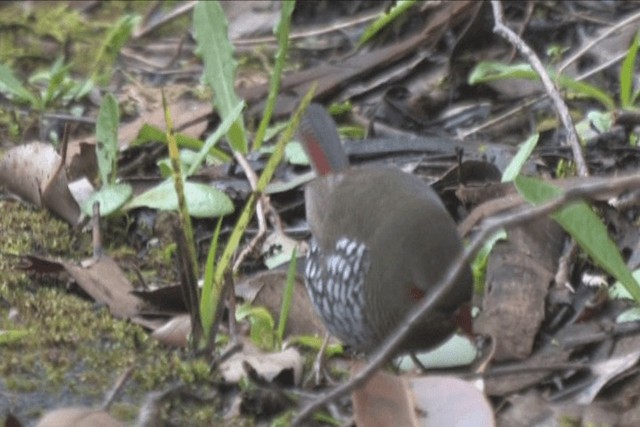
462	319
416	294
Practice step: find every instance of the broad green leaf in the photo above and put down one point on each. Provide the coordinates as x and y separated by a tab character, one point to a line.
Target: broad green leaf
595	123
515	166
489	71
111	198
585	227
385	19
262	325
602	122
627	73
210	27
187	158
9	83
294	154
618	291
107	139
203	201
149	133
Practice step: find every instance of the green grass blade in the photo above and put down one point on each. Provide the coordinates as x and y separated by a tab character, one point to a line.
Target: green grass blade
627	73
207	311
480	262
579	220
282	32
215	137
110	48
13	86
586	90
385	19
249	207
518	161
183	211
287	296
210	27
57	75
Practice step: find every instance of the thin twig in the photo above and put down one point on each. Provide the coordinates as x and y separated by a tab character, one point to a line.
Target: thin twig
595	41
252	177
117	388
572	136
339	26
96	233
388	347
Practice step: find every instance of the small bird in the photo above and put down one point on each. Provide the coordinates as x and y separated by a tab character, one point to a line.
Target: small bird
381	240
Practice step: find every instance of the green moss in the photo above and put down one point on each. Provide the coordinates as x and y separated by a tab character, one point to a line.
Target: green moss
76	350
34	29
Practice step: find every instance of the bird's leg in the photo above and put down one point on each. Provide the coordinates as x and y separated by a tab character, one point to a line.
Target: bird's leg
417	362
319	371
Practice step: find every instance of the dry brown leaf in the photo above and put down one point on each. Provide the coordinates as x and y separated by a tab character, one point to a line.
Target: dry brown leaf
267	365
175	332
33	172
78	417
265	289
102	279
389	400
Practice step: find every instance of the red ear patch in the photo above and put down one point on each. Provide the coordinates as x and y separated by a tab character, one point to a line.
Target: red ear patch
416	294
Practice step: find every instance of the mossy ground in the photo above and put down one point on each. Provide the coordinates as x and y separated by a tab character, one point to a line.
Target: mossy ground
73	351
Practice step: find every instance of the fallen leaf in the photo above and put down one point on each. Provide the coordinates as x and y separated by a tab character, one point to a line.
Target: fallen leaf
267	365
390	400
78	417
175	332
33	172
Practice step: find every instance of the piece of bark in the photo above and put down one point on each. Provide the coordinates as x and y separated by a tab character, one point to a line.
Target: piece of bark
519	273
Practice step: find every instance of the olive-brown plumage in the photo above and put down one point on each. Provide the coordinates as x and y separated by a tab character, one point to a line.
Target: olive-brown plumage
381	239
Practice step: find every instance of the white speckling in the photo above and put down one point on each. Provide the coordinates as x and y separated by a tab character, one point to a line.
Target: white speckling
346	273
336	281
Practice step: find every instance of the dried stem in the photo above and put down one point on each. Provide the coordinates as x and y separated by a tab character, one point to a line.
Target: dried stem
572	136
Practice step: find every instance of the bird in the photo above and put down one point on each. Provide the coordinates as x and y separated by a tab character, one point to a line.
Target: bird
381	239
